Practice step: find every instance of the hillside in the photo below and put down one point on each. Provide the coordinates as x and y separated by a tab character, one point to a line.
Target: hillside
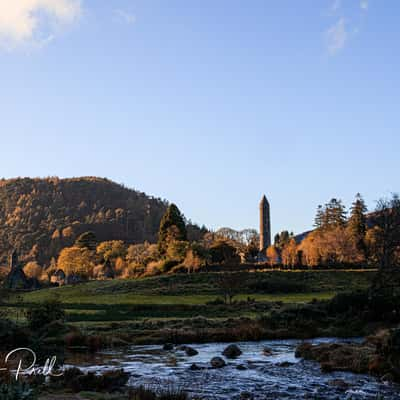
38	217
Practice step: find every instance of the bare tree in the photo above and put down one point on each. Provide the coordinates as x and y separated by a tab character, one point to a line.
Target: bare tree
230	284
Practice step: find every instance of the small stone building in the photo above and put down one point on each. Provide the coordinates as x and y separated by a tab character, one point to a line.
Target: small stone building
58	277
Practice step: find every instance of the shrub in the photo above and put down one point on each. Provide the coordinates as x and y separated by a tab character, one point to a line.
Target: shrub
16	391
11	335
44	313
74	379
344	302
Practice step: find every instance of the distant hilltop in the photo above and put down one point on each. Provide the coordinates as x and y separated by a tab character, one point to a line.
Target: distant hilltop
38	216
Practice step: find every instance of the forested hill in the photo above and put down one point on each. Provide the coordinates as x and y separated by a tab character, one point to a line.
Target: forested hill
38	217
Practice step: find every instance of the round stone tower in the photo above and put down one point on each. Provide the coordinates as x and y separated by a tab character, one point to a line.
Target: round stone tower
265	225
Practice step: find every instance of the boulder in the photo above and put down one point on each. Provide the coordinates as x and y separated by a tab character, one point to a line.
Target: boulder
352	357
241	367
246	396
217	362
284	364
387	378
195	367
304	350
267	351
232	351
168	346
190	351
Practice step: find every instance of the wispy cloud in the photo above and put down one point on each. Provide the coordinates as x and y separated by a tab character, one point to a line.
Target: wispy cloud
34	22
336	36
364	5
125	16
347	23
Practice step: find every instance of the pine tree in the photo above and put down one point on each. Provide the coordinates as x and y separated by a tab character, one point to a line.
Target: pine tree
334	214
172	227
357	224
283	239
319	217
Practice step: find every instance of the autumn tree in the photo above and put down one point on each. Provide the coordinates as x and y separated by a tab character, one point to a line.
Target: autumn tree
221	252
142	253
172	227
289	254
311	249
111	250
33	270
76	261
272	256
197	257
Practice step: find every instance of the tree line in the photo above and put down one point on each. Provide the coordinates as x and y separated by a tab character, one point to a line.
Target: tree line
340	239
357	238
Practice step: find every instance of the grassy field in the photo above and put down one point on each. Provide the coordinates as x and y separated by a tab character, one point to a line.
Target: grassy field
187	296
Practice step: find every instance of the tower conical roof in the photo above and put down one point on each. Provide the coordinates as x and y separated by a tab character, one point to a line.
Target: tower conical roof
264	200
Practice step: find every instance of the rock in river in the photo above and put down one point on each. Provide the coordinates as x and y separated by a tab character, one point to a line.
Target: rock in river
267	351
232	351
217	362
190	351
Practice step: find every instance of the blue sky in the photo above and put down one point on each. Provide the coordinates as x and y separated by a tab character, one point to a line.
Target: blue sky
208	104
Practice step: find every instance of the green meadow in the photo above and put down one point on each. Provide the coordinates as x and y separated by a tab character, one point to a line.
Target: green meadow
190	295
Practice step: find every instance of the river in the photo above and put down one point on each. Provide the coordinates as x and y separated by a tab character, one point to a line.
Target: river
278	376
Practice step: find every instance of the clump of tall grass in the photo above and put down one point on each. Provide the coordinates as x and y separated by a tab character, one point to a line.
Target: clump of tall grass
148	393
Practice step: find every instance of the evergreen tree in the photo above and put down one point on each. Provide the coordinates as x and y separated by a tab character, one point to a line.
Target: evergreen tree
333	215
319	218
357	224
172	227
282	239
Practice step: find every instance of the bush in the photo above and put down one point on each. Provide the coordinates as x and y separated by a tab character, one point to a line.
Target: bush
74	379
11	335
16	391
344	302
44	313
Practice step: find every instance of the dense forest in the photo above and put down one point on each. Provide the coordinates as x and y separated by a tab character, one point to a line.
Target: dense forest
38	217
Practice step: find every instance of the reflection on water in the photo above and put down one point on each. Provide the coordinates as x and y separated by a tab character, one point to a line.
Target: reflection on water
278	376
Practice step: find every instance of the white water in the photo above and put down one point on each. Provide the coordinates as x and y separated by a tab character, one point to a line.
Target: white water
264	377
